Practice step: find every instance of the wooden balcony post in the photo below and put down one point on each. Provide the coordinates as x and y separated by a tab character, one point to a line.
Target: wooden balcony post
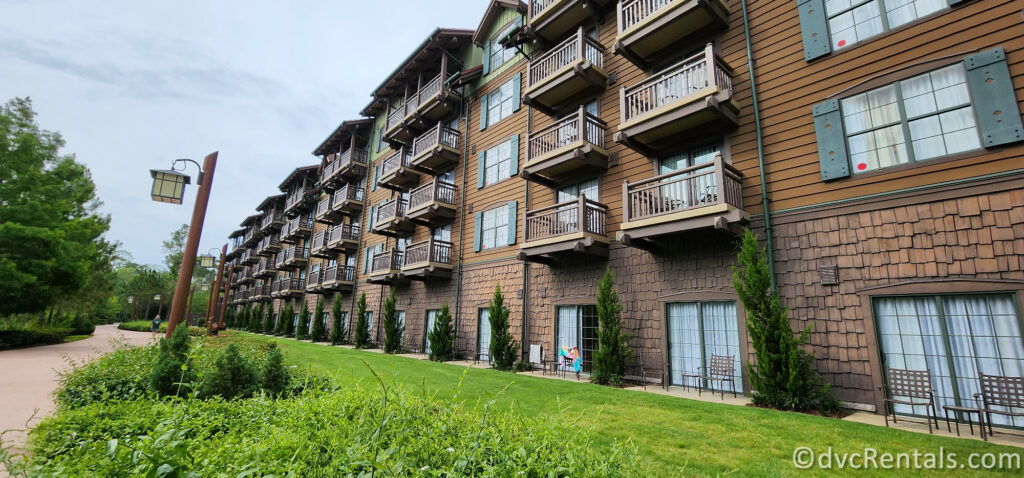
581	128
581	221
580	48
627	209
622	97
444	71
709	55
618	14
719	195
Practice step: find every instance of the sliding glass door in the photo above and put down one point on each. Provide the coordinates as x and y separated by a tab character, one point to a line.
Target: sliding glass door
698	330
577	327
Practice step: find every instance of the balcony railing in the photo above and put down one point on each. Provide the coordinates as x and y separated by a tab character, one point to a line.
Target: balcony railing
318	242
295	225
392	209
566	53
426	92
434	191
322	207
342	232
342	162
293	285
438	135
395	161
689	188
676	83
538	6
431	250
313	279
295	198
339	274
349	192
632	12
581	126
271	217
386	261
578	215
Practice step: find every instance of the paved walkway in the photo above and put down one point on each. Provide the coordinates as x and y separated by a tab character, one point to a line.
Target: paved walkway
28	376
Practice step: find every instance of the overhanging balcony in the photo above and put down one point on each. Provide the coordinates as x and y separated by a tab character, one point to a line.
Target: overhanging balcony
249	257
265	268
272	220
577	227
341	238
294	287
338	278
295	257
296	201
251	238
552	19
313	281
296	228
705	196
430	259
396	172
654	30
691	97
433	203
437	150
262	293
318	245
347	201
391	219
324	213
567	151
269	245
345	166
386	267
431	103
569	72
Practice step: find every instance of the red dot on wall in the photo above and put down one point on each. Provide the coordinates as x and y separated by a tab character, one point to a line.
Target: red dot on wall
841	43
862	166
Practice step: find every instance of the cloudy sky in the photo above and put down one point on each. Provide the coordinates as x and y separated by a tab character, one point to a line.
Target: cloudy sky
132	85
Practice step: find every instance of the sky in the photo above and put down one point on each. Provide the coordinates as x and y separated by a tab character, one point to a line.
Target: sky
133	85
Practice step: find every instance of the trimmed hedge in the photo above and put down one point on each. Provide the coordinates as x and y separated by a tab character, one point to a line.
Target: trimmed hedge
145	325
35	335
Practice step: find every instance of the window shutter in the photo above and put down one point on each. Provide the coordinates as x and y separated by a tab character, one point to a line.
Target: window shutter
487	57
483	112
481	159
954	3
995	102
828	132
478	231
366	259
376	172
512	215
514	164
814	27
369	220
517	89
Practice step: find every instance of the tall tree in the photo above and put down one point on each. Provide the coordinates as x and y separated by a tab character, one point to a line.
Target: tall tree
393	328
442	336
50	228
503	346
302	331
613	353
319	328
362	338
338	326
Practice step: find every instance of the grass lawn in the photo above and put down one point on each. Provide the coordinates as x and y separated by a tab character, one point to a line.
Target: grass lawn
673	436
73	338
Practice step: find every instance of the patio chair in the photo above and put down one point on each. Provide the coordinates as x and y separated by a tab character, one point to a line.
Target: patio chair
720	369
1000	391
915	386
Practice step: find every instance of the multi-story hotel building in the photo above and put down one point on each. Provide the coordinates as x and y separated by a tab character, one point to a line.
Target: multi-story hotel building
880	160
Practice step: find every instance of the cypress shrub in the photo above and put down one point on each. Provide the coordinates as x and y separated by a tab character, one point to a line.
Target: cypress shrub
503	346
362	339
319	329
442	336
613	354
232	376
173	372
338	326
274	376
392	328
288	316
302	331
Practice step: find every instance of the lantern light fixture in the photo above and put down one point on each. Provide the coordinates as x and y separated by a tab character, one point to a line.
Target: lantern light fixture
169	184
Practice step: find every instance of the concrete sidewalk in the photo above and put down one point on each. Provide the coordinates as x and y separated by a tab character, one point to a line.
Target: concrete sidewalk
29	376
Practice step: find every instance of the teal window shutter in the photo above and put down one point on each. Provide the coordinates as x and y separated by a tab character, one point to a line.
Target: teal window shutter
828	132
369	220
512	215
514	164
487	57
995	102
483	112
478	231
481	165
814	28
373	183
517	88
366	259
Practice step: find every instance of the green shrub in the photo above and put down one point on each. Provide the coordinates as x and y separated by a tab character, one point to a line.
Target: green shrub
119	375
319	333
232	376
613	353
274	376
442	336
268	320
145	326
81	325
338	326
523	366
362	339
302	331
32	335
503	347
172	373
288	316
392	327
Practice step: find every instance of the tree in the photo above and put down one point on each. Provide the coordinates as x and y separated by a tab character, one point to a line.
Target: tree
442	336
613	353
338	326
362	338
782	376
302	331
393	328
288	316
281	328
274	375
319	328
174	248
172	372
503	347
232	376
50	230
268	320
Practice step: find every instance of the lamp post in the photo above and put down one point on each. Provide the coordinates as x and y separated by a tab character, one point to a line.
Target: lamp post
131	302
169	187
211	306
160	303
224	303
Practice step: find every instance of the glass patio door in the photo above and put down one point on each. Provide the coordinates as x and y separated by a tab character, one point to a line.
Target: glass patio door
577	327
698	330
431	318
483	336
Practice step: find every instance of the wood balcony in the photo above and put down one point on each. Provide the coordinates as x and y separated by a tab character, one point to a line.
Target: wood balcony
432	102
341	238
265	268
430	259
272	221
262	293
293	287
318	245
295	257
386	267
691	97
553	19
437	150
705	196
251	238
432	204
249	257
654	30
296	228
269	245
568	73
345	166
347	201
391	219
577	227
567	151
396	172
297	201
245	277
313	281
338	278
324	213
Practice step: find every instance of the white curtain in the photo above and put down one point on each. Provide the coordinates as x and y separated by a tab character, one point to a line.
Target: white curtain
721	337
483	341
568	328
431	317
684	340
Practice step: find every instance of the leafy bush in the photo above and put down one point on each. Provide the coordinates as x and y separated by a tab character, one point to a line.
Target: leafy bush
119	375
81	325
503	347
362	339
302	331
392	327
172	371
442	336
274	376
338	326
288	316
232	376
268	320
32	335
319	333
145	326
613	354
523	366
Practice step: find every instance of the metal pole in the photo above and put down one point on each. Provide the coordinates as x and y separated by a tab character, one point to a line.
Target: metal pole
191	295
224	304
211	306
195	230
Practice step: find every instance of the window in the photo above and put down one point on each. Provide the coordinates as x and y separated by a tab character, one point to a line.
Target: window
698	330
442	233
494	230
344	319
402	242
588	188
499	54
933	110
447	176
330	263
501	103
431	320
376	175
690	157
577	327
954	338
400	315
852	21
498	163
483	335
369	320
368	257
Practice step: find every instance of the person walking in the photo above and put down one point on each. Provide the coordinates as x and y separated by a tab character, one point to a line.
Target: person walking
156	325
